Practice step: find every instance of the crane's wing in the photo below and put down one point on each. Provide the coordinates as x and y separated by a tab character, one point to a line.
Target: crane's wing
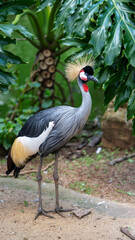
36	124
66	126
48	130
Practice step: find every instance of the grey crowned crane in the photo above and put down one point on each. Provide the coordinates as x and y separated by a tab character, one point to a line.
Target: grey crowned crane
49	130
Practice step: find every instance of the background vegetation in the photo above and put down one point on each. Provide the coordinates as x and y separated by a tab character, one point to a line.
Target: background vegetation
104	30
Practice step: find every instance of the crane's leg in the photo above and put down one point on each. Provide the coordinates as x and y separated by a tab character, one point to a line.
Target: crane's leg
56	179
41	211
57	209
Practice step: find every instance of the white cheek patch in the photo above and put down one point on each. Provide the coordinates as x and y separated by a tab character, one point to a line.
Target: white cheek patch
32	144
83	76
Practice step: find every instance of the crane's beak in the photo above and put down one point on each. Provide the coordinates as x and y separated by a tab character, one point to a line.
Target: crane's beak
92	78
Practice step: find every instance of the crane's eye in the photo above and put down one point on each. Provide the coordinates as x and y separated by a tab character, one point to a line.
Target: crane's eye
83	76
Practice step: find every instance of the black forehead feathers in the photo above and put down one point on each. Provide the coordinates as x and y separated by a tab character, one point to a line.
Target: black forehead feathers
89	70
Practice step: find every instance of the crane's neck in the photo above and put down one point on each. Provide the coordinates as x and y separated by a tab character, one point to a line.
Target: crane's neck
85	108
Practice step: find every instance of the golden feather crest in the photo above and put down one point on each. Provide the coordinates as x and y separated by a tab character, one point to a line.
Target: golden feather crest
73	68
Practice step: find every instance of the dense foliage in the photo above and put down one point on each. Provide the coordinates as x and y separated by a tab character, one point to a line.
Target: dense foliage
104	29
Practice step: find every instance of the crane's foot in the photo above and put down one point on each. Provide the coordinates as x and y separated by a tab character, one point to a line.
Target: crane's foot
42	212
59	210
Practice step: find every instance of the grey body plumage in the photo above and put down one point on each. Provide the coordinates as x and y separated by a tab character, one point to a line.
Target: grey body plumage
68	122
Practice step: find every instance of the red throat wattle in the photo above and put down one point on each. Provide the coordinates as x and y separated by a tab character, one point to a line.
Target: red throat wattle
85	87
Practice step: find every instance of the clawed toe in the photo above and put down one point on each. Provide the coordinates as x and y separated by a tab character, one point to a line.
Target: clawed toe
59	210
42	212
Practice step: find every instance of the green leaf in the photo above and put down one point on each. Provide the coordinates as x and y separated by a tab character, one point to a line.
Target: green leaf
1	120
8	29
109	94
13	8
113	47
99	36
68	7
130	160
8	57
35	84
46	104
114	25
82	23
125	90
47	93
127	1
124	11
81	53
6	79
133	126
129	43
45	4
74	42
111	87
122	97
26	203
128	193
102	75
75	16
131	107
128	25
5	41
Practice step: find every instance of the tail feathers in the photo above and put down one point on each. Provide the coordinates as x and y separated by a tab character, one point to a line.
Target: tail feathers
16	171
11	166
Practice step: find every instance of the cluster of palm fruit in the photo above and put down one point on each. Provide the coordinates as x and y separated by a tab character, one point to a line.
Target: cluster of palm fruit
44	69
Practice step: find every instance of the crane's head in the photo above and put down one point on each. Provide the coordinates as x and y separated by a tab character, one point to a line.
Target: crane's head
85	75
81	68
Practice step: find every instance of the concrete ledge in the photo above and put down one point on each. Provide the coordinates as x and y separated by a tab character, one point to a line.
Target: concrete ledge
71	198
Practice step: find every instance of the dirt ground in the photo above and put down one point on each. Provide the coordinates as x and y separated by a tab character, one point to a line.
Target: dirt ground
84	171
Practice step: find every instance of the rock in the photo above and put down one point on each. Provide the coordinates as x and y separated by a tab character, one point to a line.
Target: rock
94	140
80	213
117	131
